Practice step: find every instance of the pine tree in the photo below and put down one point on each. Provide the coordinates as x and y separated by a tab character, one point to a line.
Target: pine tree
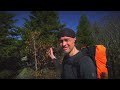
7	34
9	53
83	32
39	33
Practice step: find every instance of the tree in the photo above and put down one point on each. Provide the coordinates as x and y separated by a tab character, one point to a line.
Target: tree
39	33
83	32
7	35
111	38
96	33
9	45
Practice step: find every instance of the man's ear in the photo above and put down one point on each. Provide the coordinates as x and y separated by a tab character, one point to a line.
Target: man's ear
75	39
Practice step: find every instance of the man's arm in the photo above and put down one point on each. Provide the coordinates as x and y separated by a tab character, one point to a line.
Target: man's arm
54	59
57	64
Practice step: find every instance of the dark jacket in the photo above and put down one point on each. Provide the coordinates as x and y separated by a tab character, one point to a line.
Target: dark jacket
78	67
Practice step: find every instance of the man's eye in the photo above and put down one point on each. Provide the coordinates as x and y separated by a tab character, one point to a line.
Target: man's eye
66	40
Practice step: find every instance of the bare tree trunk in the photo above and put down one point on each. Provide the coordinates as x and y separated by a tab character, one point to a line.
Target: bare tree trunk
35	55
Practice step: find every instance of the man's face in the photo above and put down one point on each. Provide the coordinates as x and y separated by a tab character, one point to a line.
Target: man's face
67	43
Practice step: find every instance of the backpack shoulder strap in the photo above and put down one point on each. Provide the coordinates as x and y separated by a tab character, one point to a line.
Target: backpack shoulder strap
91	50
88	51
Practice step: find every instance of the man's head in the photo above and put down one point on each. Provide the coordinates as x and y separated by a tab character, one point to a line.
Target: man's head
67	39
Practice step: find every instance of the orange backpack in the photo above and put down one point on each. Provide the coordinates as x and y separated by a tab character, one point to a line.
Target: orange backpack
98	55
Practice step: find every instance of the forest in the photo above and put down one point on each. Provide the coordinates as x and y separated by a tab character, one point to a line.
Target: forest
23	49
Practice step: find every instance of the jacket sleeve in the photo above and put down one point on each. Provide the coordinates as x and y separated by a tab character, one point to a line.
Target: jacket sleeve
57	64
87	68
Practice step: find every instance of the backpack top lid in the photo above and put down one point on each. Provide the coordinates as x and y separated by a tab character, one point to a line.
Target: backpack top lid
101	60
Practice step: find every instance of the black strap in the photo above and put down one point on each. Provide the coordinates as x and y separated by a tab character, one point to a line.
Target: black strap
91	53
88	51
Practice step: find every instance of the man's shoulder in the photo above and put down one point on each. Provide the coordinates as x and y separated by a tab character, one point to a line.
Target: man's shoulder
80	57
86	59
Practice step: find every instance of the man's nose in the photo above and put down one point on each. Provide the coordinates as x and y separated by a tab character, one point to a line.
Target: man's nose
64	43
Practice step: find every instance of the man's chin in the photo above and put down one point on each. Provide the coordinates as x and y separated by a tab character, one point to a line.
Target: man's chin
66	52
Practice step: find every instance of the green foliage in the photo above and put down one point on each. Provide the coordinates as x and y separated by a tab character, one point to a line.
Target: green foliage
28	73
83	32
9	46
96	33
111	38
8	42
7	74
25	73
38	34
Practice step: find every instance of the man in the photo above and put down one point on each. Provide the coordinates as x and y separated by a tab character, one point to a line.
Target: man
84	69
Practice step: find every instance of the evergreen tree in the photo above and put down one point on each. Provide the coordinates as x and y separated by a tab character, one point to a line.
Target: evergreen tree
96	33
7	34
83	32
39	33
9	53
111	39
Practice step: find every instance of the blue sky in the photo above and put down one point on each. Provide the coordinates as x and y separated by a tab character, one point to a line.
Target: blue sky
71	18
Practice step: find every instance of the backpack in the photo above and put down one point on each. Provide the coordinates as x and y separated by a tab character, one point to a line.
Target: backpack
98	55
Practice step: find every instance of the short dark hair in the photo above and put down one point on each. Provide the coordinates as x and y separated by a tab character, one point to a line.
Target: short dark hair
66	32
